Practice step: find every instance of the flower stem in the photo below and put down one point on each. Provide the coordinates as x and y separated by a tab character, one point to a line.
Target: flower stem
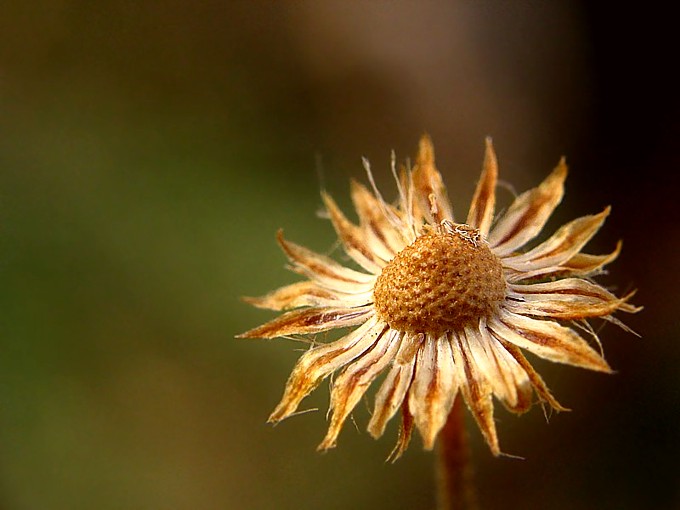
455	488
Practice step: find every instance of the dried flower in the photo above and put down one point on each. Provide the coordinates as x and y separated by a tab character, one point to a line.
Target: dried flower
443	307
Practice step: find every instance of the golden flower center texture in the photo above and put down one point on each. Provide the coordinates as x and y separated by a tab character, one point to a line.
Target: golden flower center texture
445	280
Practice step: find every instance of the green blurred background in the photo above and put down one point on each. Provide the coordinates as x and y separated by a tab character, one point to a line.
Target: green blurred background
150	150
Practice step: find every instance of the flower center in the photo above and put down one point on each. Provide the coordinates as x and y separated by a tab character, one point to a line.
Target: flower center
443	281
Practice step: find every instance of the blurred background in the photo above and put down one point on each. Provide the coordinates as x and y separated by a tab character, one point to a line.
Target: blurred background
149	151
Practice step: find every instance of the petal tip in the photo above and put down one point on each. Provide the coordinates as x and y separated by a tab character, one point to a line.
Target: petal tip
247	334
376	428
425	149
326	444
280	413
561	170
280	239
608	370
257	302
428	441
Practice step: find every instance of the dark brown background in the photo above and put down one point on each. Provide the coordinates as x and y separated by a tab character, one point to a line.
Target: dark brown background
148	153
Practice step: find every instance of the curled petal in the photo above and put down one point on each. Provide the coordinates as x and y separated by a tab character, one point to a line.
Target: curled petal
528	213
430	193
570	299
408	205
307	294
325	270
484	199
548	340
581	264
321	361
475	388
352	238
350	386
507	378
433	389
393	389
536	380
385	238
310	320
562	246
405	432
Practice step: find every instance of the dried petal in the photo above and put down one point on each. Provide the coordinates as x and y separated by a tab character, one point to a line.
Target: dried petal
563	245
571	298
324	270
350	386
352	239
476	390
484	199
548	340
310	320
536	380
321	361
307	294
405	432
507	378
384	236
430	193
528	213
393	390
581	264
433	389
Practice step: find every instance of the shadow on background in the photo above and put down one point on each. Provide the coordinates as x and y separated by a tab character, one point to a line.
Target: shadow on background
148	153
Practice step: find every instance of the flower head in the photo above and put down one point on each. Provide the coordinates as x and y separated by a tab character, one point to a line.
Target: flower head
444	308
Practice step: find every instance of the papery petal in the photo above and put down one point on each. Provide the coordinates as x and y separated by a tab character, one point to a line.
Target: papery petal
310	320
528	213
430	193
385	237
307	294
352	238
570	298
325	270
563	245
319	362
433	389
536	380
581	264
548	340
507	378
484	199
475	388
391	394
350	386
405	432
409	207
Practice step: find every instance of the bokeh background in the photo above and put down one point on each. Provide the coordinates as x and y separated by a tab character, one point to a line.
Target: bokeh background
150	150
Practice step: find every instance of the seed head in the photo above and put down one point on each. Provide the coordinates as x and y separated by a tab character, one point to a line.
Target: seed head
446	279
